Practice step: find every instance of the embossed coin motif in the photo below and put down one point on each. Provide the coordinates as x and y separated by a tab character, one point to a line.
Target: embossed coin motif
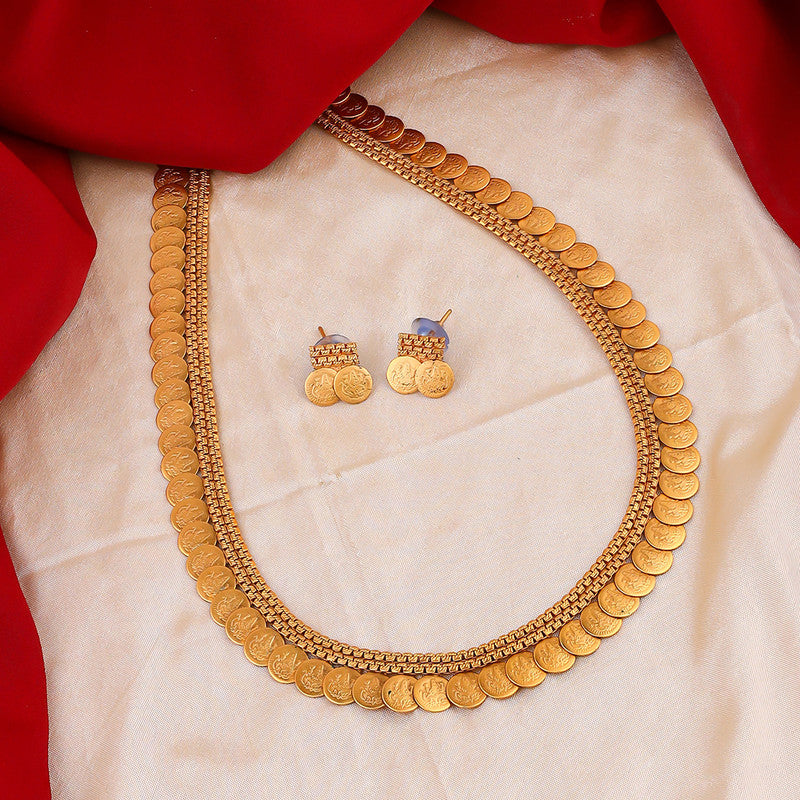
167	278
170	390
260	643
225	603
283	662
672	512
177	436
650	559
672	409
551	656
653	359
665	383
169	367
434	378
319	387
195	534
632	581
203	557
580	256
242	622
168	322
474	179
398	693
664	537
598	275
430	693
409	142
188	510
309	676
176	412
464	690
171	194
539	221
679	486
641	336
596	622
682	460
390	130
167	235
496	191
401	374
682	434
574	639
495	682
517	206
615	603
338	685
214	580
431	155
367	690
453	166
559	237
166	345
522	670
168	216
352	384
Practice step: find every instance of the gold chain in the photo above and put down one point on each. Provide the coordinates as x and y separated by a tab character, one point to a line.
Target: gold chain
217	555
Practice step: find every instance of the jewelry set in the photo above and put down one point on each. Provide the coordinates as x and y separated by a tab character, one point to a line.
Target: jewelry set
419	366
217	557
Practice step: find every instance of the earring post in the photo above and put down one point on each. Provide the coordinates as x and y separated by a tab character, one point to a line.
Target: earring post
321	331
446	315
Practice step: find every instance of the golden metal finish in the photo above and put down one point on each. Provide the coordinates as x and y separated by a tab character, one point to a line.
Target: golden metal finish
217	556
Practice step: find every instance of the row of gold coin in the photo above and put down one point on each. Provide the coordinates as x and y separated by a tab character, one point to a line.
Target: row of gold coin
230	607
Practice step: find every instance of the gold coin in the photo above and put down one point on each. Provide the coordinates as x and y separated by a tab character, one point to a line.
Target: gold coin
225	603
176	436
496	191
431	155
169	257
170	390
430	693
434	378
518	206
195	534
672	512
574	639
474	179
352	384
401	374
167	278
539	221
338	685
242	622
651	560
178	460
410	142
664	537
283	662
580	256
367	690
629	579
653	359
309	676
453	166
319	387
352	107
615	295
167	235
165	175
672	409
168	216
684	460
598	275
213	581
679	486
168	344
167	300
464	690
398	693
664	384
642	336
169	367
522	670
559	237
616	604
188	510
630	315
494	681
172	194
259	645
168	322
597	623
371	119
391	130
176	412
550	656
679	435
202	557
340	98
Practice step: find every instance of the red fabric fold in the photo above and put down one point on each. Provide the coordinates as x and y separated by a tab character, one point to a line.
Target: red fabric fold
230	86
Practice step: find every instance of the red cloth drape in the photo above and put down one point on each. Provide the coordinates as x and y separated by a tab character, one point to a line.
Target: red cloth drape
231	85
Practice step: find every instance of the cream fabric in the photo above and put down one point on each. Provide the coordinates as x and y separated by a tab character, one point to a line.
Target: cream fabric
411	523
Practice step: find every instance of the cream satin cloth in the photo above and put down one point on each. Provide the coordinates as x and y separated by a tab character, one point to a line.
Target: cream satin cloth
408	523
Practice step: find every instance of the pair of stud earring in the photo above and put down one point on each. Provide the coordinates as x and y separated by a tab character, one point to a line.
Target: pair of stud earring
418	367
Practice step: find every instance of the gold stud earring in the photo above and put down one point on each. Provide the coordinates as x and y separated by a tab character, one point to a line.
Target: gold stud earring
419	366
337	374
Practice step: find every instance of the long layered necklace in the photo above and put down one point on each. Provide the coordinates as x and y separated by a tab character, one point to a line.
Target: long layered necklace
217	557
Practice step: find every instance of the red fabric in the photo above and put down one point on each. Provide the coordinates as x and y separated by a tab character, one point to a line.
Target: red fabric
229	86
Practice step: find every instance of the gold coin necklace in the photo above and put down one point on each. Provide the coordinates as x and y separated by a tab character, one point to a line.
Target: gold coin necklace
217	557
